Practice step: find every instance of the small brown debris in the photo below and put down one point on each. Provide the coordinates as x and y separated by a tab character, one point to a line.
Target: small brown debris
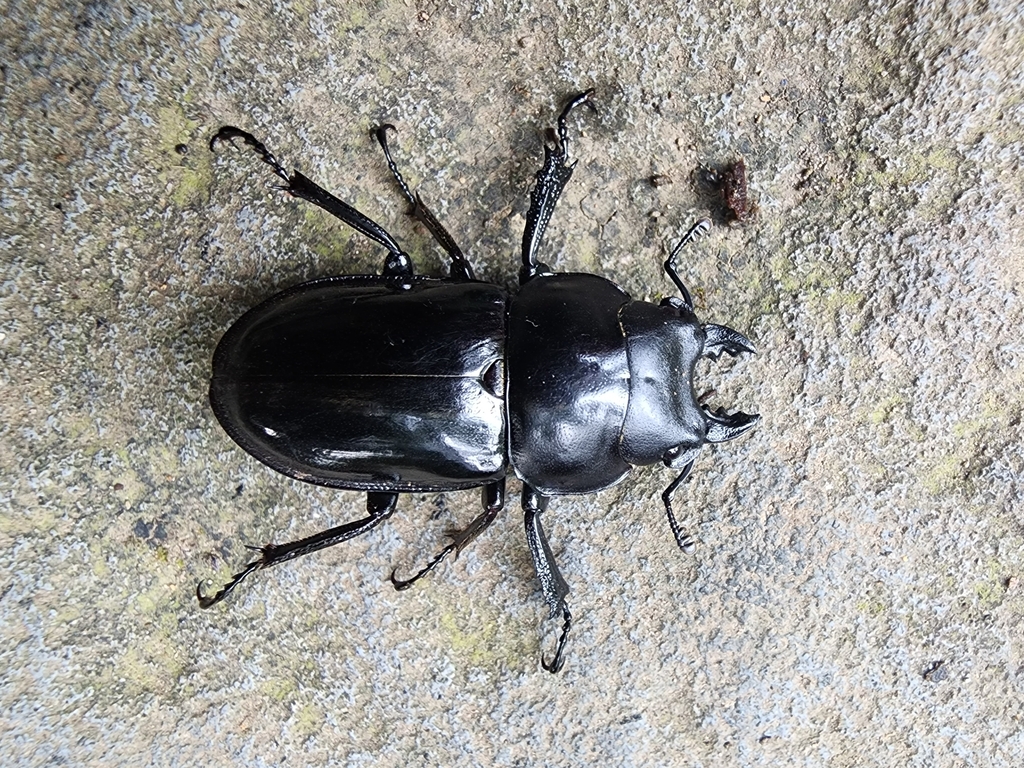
734	191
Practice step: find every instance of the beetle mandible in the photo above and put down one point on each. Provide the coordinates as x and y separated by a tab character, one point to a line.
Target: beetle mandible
398	383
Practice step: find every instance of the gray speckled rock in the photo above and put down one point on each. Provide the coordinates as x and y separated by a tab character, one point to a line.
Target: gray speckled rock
869	529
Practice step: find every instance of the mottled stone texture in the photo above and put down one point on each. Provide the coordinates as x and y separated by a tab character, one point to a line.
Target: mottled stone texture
856	595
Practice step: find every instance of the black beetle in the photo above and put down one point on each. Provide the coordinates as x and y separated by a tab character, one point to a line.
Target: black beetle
397	383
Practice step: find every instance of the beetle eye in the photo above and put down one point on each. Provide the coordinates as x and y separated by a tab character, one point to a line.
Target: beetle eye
674	302
678	456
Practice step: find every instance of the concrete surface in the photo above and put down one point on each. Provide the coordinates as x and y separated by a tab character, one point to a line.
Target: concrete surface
856	598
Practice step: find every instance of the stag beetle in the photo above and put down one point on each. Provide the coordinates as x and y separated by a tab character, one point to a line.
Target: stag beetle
398	383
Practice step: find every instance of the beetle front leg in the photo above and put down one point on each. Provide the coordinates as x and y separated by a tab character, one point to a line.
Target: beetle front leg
379	507
552	585
551	180
493	497
460	267
397	262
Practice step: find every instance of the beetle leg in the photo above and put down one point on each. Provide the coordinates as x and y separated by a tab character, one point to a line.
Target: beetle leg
397	262
379	506
551	180
493	495
552	585
460	267
683	539
698	229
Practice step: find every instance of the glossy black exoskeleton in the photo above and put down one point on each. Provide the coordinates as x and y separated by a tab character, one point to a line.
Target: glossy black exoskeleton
398	383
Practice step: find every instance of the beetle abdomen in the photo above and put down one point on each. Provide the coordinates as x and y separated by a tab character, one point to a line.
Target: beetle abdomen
568	383
370	382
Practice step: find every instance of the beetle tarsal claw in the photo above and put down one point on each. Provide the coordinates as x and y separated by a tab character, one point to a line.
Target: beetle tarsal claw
403	584
558	662
205	601
724	426
721	338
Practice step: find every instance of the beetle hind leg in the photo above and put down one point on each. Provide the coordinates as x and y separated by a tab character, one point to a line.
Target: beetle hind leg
460	267
493	496
397	262
559	661
379	507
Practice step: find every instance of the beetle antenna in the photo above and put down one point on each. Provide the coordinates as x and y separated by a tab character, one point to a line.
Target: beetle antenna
697	230
683	539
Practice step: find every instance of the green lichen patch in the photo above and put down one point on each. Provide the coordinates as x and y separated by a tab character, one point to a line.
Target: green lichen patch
885	408
307	721
185	168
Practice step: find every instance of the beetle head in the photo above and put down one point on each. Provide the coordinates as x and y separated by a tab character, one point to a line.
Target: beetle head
665	422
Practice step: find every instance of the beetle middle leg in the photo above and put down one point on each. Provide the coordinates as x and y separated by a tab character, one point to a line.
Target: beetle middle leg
552	584
493	497
460	267
379	507
397	262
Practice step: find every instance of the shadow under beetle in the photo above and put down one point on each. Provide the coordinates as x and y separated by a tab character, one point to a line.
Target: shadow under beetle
397	383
